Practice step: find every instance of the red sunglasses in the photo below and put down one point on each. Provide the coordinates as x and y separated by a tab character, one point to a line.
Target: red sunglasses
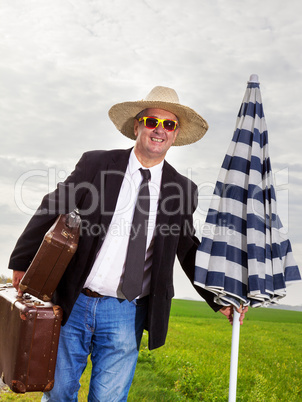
153	122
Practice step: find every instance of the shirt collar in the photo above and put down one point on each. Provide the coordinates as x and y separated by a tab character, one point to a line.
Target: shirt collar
135	165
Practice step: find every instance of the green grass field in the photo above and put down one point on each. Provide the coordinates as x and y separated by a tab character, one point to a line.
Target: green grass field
194	363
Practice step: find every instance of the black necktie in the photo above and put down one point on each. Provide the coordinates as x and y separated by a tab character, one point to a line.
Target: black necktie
135	259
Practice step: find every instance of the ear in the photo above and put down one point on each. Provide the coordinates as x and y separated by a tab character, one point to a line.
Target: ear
136	124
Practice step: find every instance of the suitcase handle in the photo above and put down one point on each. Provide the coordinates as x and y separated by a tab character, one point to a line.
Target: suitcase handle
28	300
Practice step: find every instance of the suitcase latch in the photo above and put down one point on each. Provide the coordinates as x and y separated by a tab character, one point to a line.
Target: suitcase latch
66	234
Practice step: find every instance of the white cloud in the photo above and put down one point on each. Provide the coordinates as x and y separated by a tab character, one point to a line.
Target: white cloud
64	63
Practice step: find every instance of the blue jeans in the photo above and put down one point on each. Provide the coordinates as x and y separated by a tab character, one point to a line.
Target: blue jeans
110	330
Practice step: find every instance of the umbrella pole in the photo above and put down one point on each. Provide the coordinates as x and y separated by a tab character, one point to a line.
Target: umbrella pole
234	357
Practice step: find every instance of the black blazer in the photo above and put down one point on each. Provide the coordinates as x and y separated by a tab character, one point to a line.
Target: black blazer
94	187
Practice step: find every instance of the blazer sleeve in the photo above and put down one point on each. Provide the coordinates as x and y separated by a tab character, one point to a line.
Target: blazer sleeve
63	200
187	247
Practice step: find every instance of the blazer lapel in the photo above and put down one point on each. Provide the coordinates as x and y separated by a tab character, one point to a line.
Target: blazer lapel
108	183
111	182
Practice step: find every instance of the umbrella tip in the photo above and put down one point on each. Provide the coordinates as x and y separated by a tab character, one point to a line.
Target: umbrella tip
254	78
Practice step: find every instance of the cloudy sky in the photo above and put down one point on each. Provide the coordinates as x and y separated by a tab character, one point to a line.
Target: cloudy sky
64	63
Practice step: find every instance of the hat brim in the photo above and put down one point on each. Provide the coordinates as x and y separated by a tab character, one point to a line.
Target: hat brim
192	126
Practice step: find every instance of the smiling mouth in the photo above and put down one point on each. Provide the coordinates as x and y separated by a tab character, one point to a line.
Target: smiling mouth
157	139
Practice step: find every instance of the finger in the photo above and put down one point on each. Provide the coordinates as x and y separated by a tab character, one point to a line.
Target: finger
16	283
242	315
239	309
231	317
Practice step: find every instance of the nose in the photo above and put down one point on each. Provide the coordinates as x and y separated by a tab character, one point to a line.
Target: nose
159	128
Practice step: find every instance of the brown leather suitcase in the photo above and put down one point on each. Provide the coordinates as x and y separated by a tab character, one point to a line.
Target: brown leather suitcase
52	258
29	337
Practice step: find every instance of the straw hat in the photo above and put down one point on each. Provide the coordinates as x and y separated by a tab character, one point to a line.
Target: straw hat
192	126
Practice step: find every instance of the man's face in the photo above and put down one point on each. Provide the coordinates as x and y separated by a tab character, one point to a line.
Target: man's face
152	144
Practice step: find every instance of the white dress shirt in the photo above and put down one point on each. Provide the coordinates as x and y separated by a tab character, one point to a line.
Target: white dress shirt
107	270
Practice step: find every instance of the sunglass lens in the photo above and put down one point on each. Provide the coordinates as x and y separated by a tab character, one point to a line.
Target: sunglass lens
151	122
169	125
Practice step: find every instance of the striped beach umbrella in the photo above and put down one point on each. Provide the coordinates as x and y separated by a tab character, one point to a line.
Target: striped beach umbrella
245	257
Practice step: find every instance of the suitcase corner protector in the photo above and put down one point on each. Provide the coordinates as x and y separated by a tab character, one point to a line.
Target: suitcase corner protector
22	287
49	386
57	310
18	387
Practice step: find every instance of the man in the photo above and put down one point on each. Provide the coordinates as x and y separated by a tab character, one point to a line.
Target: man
108	302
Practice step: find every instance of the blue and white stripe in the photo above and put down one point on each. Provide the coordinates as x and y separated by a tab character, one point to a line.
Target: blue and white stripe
245	256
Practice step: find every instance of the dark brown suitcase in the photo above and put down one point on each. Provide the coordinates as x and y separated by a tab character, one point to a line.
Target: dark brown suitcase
52	258
29	337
